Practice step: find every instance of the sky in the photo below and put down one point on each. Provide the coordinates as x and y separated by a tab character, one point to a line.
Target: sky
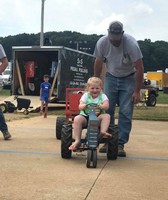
143	19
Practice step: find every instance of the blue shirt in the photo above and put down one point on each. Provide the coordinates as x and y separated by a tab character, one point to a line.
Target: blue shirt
45	86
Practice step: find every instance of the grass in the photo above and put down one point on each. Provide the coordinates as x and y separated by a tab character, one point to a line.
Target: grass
162	98
159	113
4	92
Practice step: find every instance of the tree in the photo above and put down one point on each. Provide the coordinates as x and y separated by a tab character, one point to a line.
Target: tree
155	54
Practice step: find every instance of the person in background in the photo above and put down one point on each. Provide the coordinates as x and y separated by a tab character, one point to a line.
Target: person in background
3	65
45	95
123	79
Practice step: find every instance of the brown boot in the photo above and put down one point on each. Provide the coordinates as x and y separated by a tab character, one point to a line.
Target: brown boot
121	151
103	149
6	135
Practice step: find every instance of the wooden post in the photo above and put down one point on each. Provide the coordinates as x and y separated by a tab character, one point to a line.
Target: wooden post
20	78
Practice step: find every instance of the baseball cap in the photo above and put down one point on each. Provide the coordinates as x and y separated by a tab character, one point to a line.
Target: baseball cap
115	30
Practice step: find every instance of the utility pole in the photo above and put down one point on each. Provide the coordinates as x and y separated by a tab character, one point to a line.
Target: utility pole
42	23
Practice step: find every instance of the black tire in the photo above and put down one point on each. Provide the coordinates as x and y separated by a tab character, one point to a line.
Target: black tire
26	112
112	147
91	160
3	107
59	122
11	107
151	100
66	140
94	161
19	91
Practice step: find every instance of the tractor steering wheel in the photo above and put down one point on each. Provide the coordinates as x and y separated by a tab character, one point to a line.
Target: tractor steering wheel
92	107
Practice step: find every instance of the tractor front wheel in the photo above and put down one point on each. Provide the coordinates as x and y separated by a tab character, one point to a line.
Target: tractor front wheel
91	160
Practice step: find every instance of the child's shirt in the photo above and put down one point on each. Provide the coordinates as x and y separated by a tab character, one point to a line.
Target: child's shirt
45	86
87	98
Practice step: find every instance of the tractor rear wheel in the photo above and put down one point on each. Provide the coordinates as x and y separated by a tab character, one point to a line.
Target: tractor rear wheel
151	101
66	140
59	123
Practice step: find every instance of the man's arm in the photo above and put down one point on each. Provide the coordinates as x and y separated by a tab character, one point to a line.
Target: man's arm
139	79
98	67
4	64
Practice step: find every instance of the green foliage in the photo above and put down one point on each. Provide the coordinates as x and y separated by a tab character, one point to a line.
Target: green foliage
155	54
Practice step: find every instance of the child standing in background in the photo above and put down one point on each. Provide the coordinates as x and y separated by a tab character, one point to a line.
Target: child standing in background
45	94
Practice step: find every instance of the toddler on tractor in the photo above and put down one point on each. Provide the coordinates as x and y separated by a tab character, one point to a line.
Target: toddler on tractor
86	110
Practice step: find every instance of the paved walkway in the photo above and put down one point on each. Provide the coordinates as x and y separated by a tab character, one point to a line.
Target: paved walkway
31	166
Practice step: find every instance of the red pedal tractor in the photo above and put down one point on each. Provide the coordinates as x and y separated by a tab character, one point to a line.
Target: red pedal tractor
92	139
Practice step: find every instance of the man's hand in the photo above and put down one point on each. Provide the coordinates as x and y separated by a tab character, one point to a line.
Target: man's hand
136	97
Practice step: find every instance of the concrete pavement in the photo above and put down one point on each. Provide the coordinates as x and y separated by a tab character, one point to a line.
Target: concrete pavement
32	168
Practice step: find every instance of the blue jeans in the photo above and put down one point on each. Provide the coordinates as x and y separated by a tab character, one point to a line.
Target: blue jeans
3	126
119	91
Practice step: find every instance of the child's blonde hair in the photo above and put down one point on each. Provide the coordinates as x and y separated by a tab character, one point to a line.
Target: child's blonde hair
94	80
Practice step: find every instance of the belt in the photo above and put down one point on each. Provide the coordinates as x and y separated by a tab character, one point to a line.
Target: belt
129	75
123	76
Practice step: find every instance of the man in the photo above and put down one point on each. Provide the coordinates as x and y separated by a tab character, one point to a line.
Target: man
124	77
3	65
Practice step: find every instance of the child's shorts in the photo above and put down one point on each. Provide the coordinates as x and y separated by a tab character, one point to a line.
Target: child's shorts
44	98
